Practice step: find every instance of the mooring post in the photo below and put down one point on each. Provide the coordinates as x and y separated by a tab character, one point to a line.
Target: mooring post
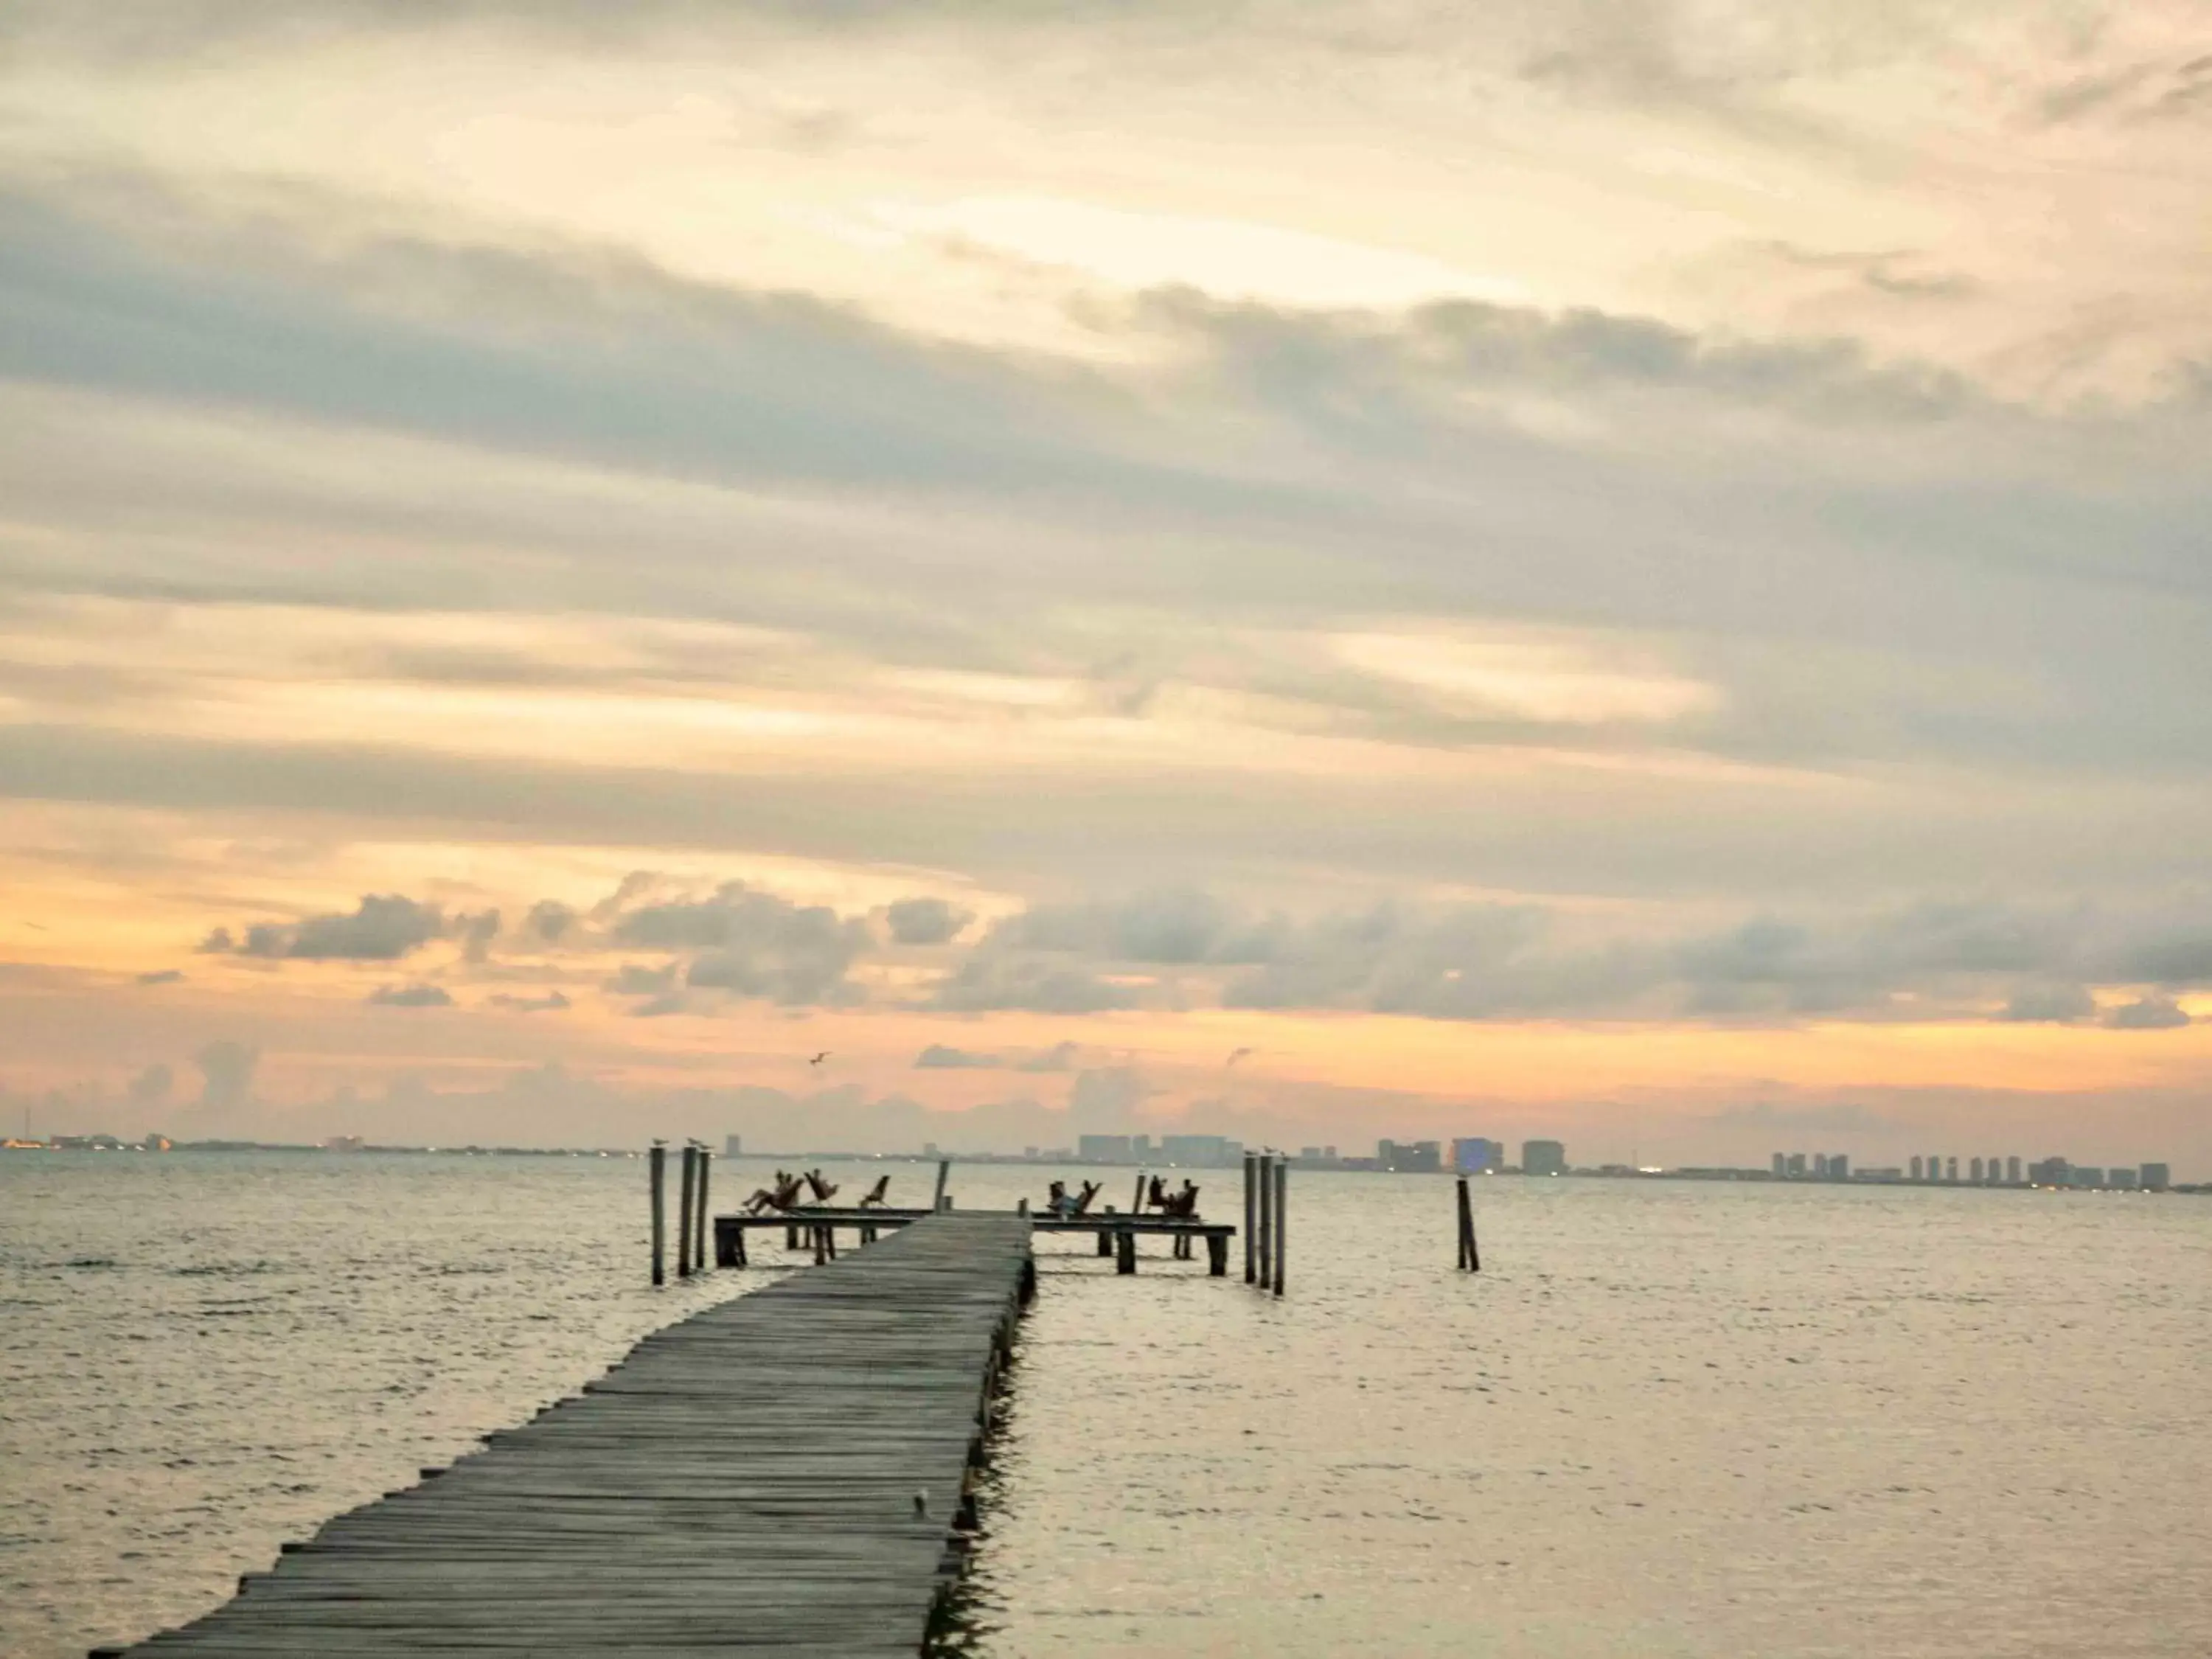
1282	1218
944	1169
1137	1203
1266	1218
1251	1209
684	1212
1125	1241
657	1161
1469	1257
1022	1207
1106	1237
699	1227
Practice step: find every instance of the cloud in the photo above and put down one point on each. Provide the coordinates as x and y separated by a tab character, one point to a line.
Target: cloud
548	923
927	921
227	1069
939	1057
410	996
1060	1057
382	927
160	976
2056	1004
754	944
476	933
986	982
634	980
153	1086
552	1002
2147	1014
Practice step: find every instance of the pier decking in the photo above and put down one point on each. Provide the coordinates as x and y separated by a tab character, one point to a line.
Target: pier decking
780	1474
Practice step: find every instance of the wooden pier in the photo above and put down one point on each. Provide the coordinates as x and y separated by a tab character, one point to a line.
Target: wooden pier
784	1474
816	1227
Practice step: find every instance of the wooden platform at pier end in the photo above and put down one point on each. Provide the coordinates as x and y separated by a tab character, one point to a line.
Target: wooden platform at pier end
743	1482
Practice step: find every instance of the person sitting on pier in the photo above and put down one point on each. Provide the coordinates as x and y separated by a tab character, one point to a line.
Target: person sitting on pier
781	1196
823	1190
1157	1195
1181	1205
1065	1205
874	1196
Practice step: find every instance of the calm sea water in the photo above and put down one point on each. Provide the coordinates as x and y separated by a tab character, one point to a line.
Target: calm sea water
1668	1418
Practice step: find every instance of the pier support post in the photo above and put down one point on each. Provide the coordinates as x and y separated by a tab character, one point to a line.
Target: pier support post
1251	1210
1469	1258
699	1226
1282	1218
684	1212
729	1242
1267	1229
944	1169
656	1162
1124	1247
1105	1242
1216	1256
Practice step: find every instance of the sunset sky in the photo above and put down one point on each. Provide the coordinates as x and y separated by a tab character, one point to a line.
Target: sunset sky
1307	570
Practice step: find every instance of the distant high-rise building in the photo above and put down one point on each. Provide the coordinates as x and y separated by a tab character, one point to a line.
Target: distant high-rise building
1819	1166
1935	1168
1951	1170
1781	1165
1543	1158
2083	1175
1410	1157
1195	1151
733	1145
2049	1172
1974	1172
2155	1177
2121	1177
1102	1149
2011	1170
1916	1175
1795	1167
1839	1166
1477	1154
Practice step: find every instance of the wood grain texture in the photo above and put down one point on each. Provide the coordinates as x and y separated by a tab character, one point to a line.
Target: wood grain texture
745	1480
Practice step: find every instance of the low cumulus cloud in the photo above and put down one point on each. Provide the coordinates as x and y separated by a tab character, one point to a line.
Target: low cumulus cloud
411	996
940	1057
2055	1005
552	1002
927	921
754	944
382	927
2147	1014
227	1069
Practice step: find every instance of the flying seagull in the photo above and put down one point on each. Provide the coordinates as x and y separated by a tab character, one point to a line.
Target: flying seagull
820	1058
1241	1053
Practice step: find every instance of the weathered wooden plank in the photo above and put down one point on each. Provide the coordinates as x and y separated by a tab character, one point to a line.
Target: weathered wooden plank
778	1475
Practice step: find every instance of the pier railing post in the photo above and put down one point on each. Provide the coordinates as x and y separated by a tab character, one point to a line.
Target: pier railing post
1282	1218
656	1162
944	1170
684	1213
1251	1209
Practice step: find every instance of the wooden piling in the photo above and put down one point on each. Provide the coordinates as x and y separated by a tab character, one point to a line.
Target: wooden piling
1251	1212
1267	1227
943	1171
656	1160
1216	1256
1137	1202
1282	1217
701	1224
1105	1238
1470	1258
1124	1247
684	1212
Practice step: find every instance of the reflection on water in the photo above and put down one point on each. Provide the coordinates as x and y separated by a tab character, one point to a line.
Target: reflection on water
1668	1418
